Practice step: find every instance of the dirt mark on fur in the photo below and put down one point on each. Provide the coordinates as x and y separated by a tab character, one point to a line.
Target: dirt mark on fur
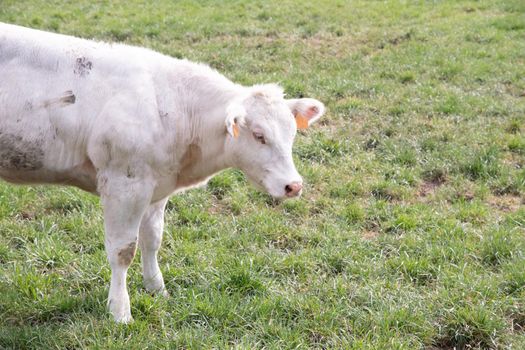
82	67
19	154
67	98
125	256
190	158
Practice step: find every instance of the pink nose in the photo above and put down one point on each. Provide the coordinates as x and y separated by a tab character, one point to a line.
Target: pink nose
293	189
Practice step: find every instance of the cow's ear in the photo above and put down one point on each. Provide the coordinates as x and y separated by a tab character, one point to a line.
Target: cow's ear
235	114
306	111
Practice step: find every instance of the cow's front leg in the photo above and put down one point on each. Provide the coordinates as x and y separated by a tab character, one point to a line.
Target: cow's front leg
124	200
150	239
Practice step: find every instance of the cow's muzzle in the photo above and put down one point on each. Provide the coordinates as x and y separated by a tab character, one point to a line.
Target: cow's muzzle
293	190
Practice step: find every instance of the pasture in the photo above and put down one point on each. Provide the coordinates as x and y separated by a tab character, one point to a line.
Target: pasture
410	233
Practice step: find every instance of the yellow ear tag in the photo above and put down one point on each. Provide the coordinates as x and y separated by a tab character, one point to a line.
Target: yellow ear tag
235	130
301	121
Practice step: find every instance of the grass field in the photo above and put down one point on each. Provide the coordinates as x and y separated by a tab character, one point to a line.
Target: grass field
411	231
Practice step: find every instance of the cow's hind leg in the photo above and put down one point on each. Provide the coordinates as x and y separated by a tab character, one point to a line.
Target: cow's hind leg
125	201
150	238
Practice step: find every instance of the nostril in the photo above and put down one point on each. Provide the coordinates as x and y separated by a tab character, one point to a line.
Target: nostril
293	189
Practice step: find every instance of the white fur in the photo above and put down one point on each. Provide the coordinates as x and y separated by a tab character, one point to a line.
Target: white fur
133	126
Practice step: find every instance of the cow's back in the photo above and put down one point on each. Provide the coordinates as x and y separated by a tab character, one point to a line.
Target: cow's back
53	91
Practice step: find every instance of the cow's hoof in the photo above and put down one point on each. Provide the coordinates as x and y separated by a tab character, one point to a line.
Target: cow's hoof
156	286
159	291
125	319
120	311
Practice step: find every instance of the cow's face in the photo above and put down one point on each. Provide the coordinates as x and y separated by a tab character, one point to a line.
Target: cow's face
262	127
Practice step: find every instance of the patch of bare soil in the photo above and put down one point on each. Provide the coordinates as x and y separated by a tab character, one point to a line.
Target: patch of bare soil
428	187
506	203
370	235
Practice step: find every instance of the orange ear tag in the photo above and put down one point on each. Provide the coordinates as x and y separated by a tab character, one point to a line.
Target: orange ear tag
301	121
235	130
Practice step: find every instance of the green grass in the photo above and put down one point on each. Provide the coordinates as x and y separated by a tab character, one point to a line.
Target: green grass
411	231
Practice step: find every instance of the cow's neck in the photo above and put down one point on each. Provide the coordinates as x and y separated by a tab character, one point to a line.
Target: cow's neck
201	159
205	153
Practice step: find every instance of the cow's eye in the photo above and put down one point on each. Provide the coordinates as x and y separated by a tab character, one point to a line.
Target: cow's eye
259	137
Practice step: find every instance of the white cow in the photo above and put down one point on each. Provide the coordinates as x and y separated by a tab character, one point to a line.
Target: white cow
134	127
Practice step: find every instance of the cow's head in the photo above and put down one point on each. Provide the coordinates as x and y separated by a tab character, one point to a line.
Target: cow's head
262	127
